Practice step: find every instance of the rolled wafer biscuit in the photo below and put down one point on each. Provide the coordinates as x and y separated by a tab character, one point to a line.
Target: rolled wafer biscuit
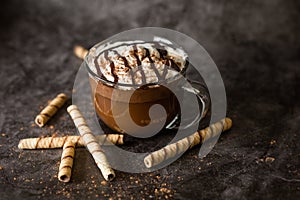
91	142
66	163
80	51
182	145
58	142
50	110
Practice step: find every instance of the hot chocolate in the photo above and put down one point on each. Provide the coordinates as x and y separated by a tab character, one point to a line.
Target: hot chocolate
138	66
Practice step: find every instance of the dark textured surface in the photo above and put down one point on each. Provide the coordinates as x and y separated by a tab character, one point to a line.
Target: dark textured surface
256	47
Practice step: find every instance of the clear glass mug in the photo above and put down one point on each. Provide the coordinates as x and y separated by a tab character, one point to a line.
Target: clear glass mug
126	108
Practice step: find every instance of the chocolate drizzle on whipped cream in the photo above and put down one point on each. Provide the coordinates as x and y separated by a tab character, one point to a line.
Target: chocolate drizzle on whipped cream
152	64
112	66
99	73
127	67
137	62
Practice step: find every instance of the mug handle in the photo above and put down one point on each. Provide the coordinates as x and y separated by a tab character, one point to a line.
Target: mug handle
201	92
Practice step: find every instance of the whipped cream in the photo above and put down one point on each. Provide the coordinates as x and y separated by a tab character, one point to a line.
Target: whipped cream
136	62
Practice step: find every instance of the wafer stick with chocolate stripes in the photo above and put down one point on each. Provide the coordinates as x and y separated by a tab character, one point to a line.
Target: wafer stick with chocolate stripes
42	118
66	163
182	145
91	142
58	142
80	51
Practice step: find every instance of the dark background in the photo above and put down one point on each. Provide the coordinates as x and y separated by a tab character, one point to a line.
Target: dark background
256	47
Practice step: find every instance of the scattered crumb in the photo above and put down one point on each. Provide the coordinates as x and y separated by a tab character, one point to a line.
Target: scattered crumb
51	127
269	159
272	142
22	128
33	125
68	195
1	167
163	193
165	190
3	134
158	177
103	182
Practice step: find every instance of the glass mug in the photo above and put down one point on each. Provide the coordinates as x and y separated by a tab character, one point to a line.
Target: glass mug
130	104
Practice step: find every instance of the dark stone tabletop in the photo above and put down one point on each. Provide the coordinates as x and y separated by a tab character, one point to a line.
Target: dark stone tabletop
256	46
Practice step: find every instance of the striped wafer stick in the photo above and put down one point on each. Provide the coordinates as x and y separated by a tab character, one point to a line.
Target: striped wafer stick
50	110
66	163
91	142
58	142
182	145
80	51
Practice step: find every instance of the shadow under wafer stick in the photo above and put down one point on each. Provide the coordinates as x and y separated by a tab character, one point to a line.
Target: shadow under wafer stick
182	145
80	51
58	142
66	163
91	143
42	118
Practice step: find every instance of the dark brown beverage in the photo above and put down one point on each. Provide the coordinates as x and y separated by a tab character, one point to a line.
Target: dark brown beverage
132	71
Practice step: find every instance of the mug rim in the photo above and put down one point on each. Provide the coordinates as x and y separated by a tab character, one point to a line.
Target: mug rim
112	83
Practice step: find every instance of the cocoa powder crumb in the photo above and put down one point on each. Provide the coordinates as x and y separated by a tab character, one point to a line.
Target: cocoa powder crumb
272	142
269	159
103	182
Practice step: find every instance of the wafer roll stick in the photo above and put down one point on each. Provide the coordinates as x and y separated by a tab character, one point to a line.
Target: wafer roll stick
91	142
50	110
66	163
182	145
80	51
58	142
